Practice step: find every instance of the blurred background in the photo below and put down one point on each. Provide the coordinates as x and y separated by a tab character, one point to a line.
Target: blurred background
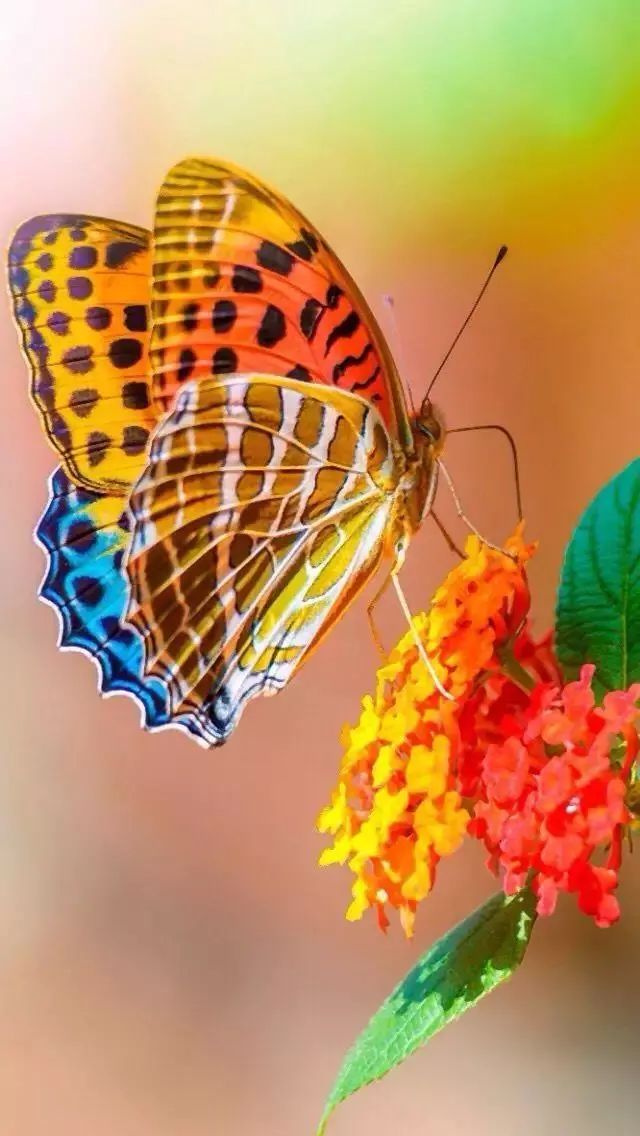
172	961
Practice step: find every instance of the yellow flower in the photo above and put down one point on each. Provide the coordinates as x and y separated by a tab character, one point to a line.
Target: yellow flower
385	765
336	814
443	825
427	769
339	851
360	901
366	731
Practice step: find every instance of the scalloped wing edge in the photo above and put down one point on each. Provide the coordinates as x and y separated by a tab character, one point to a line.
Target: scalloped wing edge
107	685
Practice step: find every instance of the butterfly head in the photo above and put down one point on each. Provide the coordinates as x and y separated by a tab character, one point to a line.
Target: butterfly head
429	425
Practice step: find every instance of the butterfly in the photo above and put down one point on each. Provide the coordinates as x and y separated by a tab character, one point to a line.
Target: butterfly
237	457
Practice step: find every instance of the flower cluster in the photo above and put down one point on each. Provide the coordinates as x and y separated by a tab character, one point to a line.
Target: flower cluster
553	794
397	808
531	767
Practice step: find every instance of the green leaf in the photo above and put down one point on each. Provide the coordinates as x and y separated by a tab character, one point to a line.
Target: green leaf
598	608
452	976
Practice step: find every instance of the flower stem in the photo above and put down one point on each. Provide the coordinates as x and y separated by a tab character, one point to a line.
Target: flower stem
514	669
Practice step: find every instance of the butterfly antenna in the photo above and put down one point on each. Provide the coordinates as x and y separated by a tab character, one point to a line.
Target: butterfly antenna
389	304
502	252
514	453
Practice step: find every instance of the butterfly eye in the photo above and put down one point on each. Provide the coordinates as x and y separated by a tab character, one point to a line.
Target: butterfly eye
432	431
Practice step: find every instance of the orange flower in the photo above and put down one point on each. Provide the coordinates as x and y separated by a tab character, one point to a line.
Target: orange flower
397	808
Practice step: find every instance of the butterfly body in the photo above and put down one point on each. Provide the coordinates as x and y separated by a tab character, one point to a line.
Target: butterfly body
222	384
416	481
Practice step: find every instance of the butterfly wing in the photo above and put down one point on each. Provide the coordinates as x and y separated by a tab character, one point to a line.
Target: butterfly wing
260	514
242	282
243	556
85	536
80	288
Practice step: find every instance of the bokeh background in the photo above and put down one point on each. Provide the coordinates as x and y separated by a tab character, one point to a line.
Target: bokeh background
172	961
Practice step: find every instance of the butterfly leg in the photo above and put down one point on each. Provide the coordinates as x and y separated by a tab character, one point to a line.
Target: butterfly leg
451	544
464	518
419	644
370	608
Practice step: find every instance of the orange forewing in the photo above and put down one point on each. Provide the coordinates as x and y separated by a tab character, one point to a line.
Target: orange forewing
242	282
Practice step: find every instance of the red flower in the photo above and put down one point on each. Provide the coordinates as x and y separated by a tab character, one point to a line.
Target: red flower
544	816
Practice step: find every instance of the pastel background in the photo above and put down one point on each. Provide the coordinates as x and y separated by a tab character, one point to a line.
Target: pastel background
172	961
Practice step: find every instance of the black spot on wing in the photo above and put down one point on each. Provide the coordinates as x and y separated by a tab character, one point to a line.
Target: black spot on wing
245	279
78	359
223	315
186	363
190	317
224	362
47	291
98	318
135	317
272	327
300	249
309	317
125	352
274	258
89	591
344	330
97	446
81	535
135	396
83	257
351	361
300	373
82	402
58	322
119	252
364	383
134	440
310	239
